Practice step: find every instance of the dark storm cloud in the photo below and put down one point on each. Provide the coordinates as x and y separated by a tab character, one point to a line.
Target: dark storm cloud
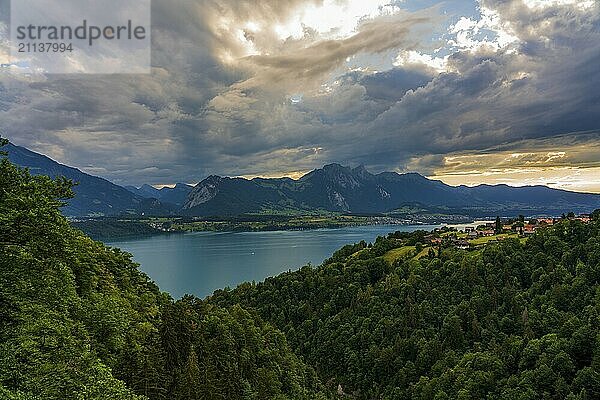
211	106
501	97
392	85
190	117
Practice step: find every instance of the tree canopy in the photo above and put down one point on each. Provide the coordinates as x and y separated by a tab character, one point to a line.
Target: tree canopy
512	320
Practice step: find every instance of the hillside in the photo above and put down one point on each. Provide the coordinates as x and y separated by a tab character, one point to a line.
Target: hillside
400	320
94	196
78	320
396	319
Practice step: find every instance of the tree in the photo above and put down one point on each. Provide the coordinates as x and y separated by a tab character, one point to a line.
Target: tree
498	226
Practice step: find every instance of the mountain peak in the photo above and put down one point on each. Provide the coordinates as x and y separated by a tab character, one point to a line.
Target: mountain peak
334	167
415	175
412	176
362	172
203	192
359	171
211	179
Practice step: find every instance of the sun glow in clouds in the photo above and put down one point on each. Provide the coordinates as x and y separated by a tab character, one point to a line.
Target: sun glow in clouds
566	178
333	19
571	169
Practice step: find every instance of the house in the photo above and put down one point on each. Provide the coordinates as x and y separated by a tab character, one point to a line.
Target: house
584	218
529	229
487	232
546	221
462	244
433	239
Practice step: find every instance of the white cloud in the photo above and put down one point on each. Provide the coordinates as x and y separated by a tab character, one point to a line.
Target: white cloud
490	31
582	4
416	58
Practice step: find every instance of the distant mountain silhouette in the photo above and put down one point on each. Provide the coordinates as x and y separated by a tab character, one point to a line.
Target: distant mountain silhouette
333	188
342	189
93	196
175	195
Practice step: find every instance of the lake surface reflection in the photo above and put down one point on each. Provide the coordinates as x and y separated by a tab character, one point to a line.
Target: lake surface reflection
199	263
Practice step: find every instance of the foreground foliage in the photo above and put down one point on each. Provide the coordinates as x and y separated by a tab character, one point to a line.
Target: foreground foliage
79	321
511	321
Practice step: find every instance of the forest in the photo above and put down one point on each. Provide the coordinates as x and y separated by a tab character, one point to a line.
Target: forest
510	320
78	320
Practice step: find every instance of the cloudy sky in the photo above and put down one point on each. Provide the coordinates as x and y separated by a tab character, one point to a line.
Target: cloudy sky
467	91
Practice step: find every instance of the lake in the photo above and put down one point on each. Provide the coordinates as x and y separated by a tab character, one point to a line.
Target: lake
199	263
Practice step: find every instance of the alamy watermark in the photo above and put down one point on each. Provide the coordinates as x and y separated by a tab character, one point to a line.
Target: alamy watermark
80	36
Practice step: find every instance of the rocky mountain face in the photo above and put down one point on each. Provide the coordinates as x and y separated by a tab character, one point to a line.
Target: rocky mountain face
204	192
342	189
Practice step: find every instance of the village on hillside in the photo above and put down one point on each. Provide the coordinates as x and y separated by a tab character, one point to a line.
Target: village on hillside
498	230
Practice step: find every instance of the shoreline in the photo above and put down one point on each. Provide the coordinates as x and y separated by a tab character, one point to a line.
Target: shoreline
107	230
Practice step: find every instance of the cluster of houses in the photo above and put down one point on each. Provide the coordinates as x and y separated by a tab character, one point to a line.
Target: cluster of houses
461	238
162	226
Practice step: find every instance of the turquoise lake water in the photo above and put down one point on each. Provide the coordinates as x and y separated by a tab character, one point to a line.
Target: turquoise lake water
199	263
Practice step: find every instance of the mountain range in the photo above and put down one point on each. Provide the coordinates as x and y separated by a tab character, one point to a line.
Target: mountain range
355	190
94	196
333	188
176	195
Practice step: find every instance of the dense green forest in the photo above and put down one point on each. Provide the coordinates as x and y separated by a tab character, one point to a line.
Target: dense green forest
111	228
79	321
510	320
